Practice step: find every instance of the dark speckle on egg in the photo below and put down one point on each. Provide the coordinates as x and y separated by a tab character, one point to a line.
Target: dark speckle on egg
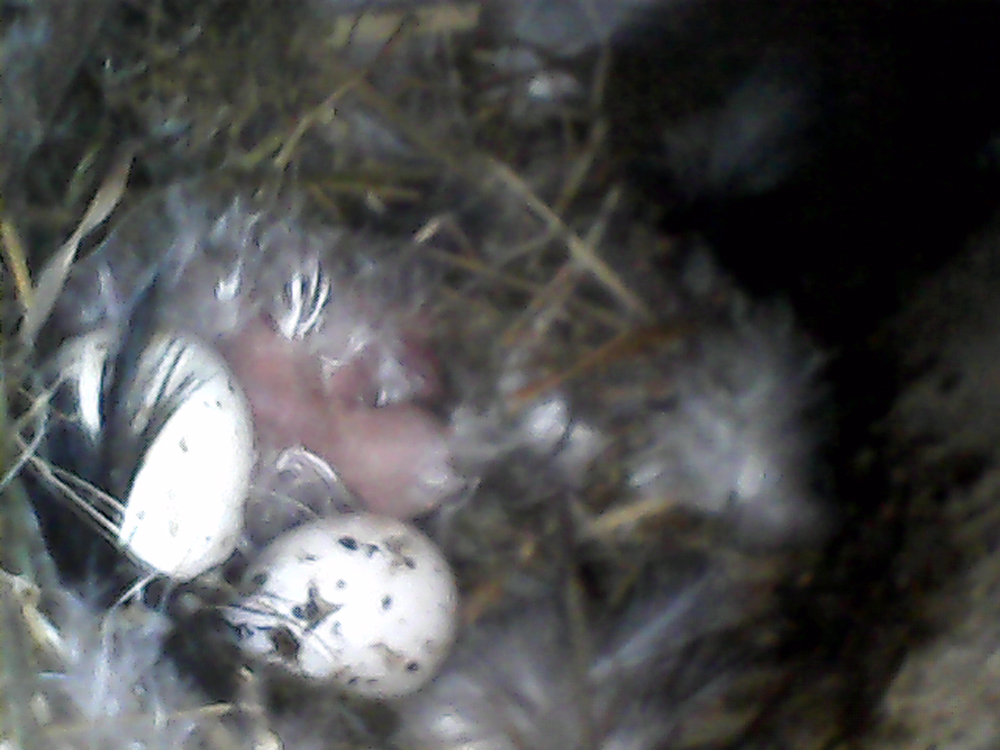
412	666
396	546
348	542
259	579
284	642
386	602
316	608
312	609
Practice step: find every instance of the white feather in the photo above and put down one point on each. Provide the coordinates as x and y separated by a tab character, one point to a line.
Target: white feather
114	689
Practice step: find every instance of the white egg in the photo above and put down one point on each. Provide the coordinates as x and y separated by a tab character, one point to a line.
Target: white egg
183	513
363	601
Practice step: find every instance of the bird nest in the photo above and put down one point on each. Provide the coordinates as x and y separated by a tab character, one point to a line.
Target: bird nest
630	571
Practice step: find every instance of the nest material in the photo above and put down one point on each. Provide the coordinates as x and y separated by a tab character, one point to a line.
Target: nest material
411	125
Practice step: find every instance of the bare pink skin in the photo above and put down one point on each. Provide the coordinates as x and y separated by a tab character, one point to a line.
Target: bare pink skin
395	458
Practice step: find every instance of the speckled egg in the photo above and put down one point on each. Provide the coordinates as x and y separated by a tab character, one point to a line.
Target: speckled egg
363	601
183	512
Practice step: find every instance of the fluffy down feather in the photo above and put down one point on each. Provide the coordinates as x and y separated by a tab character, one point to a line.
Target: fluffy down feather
115	690
547	677
738	439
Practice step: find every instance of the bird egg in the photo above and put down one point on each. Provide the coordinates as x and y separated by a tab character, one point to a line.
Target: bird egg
363	601
183	512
